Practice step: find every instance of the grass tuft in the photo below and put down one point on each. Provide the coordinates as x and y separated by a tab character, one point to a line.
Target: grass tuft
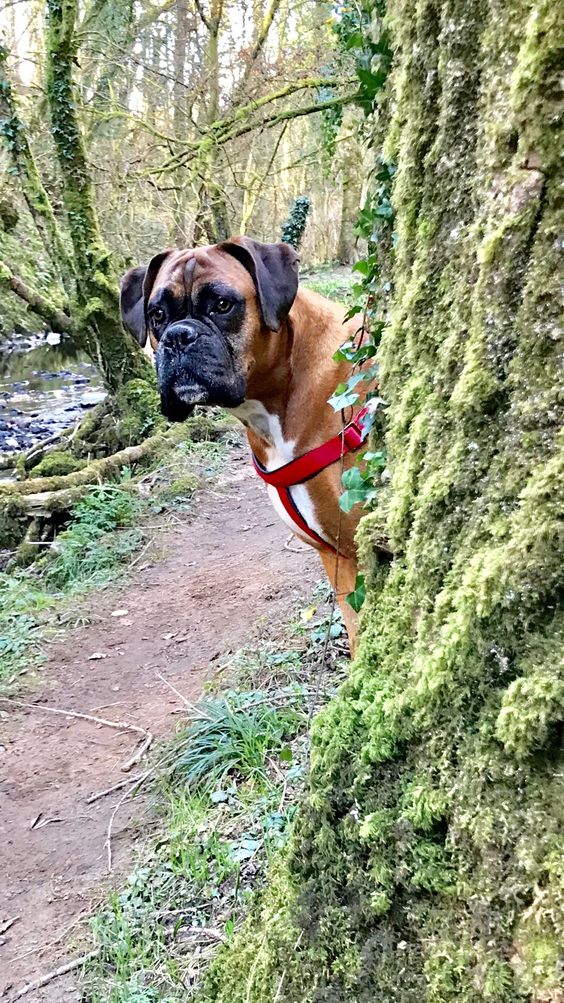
234	734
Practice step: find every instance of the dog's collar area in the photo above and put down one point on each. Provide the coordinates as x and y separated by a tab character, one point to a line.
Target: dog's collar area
308	465
315	460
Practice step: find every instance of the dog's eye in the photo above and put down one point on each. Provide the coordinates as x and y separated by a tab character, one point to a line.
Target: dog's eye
157	315
222	305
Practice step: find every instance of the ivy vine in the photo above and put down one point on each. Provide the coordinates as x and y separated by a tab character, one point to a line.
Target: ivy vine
361	30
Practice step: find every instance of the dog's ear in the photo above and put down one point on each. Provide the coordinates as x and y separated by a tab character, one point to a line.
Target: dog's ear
135	289
274	270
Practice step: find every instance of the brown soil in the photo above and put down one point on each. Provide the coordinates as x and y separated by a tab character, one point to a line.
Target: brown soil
216	575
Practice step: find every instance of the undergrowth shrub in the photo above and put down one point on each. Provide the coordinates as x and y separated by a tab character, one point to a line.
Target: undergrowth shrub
101	534
234	733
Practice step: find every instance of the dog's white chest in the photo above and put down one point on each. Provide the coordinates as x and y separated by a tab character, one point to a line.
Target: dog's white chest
280	451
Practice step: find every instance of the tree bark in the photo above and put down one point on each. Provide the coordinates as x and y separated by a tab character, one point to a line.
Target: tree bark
426	863
108	345
33	190
352	188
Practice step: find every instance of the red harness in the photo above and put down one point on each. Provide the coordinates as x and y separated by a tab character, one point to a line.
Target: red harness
304	467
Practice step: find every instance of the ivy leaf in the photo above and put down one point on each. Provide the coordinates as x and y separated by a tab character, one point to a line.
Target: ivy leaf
354	479
349	499
344	395
342	399
363	267
356	598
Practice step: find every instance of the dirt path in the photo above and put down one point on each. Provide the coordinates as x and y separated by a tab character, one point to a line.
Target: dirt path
219	573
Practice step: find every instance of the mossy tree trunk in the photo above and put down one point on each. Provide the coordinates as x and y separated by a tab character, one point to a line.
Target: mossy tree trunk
212	222
427	863
108	345
33	190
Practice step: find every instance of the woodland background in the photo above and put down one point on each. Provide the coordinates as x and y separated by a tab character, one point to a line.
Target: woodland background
196	122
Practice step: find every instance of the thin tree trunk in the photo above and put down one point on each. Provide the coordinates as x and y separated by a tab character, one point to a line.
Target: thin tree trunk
34	192
352	187
179	117
112	349
212	220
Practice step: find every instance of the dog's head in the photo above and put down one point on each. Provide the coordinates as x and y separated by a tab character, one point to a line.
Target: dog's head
209	313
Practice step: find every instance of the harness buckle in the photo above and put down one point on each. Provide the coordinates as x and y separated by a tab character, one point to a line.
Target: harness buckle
354	435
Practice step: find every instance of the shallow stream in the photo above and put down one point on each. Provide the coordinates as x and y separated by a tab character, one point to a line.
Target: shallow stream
45	387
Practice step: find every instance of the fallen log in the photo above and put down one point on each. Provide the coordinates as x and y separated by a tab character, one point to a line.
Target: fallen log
95	472
32	511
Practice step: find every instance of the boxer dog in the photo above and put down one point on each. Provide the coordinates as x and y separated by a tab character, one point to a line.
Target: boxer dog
229	325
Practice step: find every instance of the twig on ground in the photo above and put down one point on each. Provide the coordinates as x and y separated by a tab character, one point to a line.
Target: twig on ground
187	703
116	725
7	924
141	553
294	550
128	794
40	949
69	966
203	931
110	827
138	754
280	984
116	787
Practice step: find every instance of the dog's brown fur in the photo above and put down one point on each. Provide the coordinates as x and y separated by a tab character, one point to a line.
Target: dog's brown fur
292	373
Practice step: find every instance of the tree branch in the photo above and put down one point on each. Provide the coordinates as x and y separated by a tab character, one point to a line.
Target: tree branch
200	148
259	43
201	12
34	192
57	319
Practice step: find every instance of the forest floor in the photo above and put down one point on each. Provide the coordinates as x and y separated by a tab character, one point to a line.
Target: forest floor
210	581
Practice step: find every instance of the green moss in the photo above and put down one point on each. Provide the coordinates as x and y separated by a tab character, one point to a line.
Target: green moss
538	957
124	419
58	463
12	522
182	487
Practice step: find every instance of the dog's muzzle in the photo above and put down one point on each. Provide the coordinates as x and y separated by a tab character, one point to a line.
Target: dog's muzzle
195	366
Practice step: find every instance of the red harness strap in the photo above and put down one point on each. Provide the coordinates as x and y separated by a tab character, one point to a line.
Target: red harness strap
308	465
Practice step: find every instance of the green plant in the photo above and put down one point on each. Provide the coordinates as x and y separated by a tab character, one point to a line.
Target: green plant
99	537
334	285
294	226
233	734
22	599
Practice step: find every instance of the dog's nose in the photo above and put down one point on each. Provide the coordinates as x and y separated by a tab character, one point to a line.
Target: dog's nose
179	335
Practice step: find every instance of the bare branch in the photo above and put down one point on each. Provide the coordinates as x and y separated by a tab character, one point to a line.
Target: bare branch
202	13
243	130
265	27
